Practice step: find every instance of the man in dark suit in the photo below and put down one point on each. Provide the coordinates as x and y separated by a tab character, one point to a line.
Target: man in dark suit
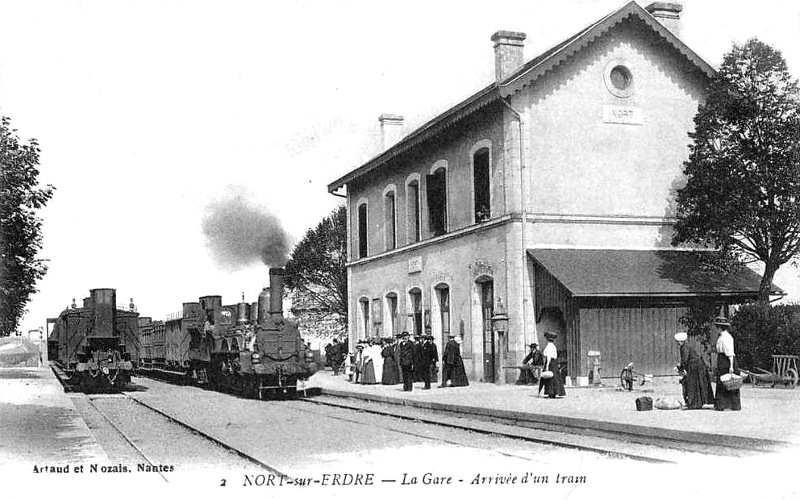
429	357
418	341
405	353
449	359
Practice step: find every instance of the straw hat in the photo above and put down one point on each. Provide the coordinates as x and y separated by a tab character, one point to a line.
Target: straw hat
722	321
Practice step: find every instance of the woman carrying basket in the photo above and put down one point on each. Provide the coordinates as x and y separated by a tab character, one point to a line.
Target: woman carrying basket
551	382
726	365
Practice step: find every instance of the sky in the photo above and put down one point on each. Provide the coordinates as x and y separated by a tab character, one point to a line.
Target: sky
151	113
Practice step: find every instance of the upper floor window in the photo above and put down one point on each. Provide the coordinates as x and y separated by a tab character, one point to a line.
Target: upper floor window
480	187
390	220
362	230
412	211
437	201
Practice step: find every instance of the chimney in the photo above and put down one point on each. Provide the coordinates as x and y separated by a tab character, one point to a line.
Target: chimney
391	130
507	53
668	14
276	291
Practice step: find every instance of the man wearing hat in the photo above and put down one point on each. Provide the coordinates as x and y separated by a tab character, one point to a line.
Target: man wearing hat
429	357
405	355
695	381
450	357
726	363
532	360
418	340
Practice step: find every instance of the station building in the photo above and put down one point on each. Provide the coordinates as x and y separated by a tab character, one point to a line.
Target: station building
544	201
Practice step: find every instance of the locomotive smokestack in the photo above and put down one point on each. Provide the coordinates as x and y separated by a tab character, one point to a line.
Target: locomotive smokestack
276	291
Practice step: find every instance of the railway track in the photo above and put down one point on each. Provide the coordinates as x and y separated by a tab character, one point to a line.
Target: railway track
614	444
151	434
233	425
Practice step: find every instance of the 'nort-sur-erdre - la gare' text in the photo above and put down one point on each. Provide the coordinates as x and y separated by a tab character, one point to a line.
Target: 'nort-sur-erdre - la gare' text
406	479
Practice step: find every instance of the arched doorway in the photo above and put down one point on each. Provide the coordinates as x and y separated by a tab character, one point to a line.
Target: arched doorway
440	321
415	312
486	300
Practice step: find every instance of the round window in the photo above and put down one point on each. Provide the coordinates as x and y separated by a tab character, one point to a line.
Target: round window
619	78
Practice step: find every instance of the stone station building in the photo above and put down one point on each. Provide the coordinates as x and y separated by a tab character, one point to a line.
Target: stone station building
546	198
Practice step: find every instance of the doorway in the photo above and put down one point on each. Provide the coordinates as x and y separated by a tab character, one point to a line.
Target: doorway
487	310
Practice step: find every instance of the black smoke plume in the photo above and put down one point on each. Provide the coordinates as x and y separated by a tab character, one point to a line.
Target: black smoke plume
239	234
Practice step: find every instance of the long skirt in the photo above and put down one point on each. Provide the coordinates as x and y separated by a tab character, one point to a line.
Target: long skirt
553	386
459	375
390	372
697	389
368	377
726	399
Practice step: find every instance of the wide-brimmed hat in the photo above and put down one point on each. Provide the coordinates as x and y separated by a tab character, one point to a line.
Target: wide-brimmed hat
681	337
722	321
533	345
550	335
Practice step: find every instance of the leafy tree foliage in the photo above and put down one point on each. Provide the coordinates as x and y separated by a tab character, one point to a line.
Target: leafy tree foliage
762	332
742	194
20	228
316	268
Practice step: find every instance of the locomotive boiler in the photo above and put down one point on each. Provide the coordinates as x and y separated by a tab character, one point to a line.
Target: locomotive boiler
251	349
93	346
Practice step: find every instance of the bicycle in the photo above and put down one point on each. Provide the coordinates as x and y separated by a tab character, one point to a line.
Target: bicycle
628	376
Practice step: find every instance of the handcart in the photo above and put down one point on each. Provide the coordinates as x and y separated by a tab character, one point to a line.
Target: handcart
628	376
784	370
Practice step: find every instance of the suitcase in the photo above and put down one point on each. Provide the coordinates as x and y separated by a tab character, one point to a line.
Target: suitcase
644	403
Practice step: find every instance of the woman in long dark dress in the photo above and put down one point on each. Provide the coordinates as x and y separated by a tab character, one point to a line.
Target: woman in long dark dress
553	386
696	383
391	376
459	373
726	363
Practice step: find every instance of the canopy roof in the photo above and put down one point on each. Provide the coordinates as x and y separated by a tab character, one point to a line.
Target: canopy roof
630	273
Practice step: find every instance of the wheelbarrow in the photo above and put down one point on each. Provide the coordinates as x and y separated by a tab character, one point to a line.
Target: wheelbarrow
784	371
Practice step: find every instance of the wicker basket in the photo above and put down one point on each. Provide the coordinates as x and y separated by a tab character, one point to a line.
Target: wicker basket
731	381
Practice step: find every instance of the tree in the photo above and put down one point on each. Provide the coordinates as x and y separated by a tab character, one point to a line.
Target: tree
20	228
316	268
742	194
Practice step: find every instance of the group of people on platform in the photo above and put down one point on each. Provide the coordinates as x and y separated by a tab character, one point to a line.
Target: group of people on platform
400	360
696	380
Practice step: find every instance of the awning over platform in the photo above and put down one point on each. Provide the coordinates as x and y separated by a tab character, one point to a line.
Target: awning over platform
632	273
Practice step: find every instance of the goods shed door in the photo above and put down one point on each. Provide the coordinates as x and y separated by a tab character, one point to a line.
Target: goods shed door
642	335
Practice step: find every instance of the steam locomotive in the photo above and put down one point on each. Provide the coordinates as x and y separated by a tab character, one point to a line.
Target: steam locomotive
251	349
94	347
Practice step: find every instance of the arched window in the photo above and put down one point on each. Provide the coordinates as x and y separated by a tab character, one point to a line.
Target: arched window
436	185
480	185
441	313
362	230
363	318
415	301
390	218
412	209
392	327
